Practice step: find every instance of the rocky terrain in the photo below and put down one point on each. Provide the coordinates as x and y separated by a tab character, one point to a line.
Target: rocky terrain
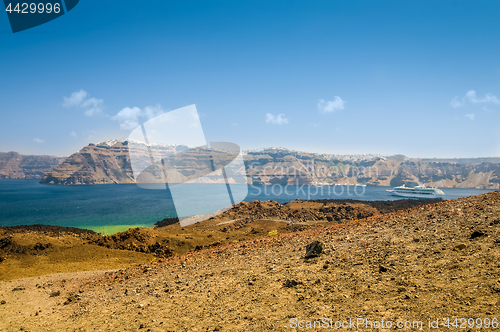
436	261
40	249
14	165
109	162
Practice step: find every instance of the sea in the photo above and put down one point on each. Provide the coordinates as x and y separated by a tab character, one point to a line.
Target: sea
113	208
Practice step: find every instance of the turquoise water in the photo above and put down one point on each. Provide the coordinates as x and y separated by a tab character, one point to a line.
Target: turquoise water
26	202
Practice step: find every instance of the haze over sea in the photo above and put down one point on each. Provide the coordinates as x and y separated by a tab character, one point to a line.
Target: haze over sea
113	208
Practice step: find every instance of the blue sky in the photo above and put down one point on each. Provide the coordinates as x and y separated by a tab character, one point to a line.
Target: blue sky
420	78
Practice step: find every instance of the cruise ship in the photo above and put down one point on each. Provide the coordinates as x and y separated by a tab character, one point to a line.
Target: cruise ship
417	192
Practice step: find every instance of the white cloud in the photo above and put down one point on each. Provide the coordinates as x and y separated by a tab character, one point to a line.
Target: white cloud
488	98
38	140
91	106
73	133
75	99
129	118
471	97
276	119
470	116
152	111
331	106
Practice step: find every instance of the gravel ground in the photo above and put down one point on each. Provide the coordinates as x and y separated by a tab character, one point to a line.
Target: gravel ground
433	262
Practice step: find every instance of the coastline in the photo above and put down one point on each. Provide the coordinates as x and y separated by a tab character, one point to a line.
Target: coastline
383	206
39	249
27	202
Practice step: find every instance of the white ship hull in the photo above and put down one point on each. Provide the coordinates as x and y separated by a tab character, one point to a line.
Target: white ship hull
413	195
417	192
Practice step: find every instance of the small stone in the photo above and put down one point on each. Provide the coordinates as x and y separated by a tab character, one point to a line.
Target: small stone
459	247
56	293
476	234
314	249
18	288
2	302
291	283
382	268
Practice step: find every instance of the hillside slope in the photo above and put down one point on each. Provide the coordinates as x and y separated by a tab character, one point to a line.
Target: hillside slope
432	262
14	165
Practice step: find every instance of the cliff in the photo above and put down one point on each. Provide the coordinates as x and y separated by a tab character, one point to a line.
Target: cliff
14	165
109	162
94	164
281	166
